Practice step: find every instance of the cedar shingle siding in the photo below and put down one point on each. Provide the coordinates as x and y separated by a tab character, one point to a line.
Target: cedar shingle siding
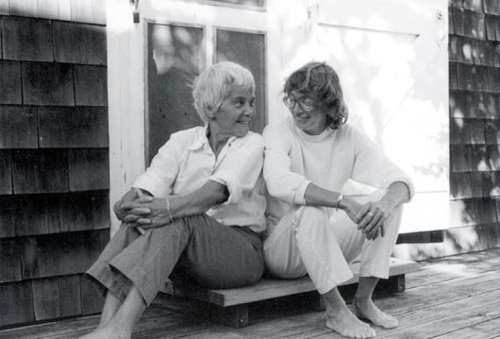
54	157
474	69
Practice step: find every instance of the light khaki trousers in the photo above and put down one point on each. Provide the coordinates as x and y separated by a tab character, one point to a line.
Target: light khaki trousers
323	242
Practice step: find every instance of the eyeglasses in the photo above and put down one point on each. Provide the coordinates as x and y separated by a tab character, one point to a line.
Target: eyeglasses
305	103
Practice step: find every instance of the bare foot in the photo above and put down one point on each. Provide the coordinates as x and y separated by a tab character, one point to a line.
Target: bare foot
345	323
368	310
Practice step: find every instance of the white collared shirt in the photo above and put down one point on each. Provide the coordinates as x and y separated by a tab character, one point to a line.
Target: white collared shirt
186	162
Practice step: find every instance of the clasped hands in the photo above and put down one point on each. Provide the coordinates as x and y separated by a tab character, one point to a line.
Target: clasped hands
369	217
140	210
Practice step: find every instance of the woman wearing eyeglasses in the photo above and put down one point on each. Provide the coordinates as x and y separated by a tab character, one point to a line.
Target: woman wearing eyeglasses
312	228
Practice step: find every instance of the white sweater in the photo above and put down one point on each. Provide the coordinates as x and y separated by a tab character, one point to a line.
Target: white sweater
294	159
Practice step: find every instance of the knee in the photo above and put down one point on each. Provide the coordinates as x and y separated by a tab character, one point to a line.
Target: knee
312	214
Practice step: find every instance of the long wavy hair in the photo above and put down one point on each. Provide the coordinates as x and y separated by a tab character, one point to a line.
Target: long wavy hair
321	82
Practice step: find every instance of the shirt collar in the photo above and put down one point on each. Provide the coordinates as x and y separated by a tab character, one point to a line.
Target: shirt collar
201	139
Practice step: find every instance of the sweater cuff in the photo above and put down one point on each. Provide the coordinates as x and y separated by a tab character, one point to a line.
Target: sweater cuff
299	197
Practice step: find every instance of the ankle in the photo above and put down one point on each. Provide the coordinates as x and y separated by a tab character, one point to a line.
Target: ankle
362	300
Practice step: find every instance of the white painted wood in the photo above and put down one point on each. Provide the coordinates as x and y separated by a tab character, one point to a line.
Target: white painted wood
64	7
391	57
27	8
4	7
48	9
126	99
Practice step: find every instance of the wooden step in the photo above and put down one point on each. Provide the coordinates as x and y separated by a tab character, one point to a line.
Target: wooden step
231	305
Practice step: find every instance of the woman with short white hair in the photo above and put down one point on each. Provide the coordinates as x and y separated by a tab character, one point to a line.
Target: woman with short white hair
197	211
314	229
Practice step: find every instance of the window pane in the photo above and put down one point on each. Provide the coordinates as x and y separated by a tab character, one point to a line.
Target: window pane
249	50
175	58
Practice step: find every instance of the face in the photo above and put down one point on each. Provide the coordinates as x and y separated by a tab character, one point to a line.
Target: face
235	115
306	113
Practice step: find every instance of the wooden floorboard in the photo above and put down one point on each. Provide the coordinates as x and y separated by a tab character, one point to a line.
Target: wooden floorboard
456	297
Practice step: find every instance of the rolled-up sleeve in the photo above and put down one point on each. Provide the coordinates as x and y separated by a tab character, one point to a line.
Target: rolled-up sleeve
241	167
374	168
160	176
281	181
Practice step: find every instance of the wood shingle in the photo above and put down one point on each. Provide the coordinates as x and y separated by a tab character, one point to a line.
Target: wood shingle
88	169
477	158
18	127
46	299
40	171
458	20
10	82
48	84
7	228
27	39
70	295
67	47
460	185
5	172
85	211
492	132
473	131
10	260
466	77
490	23
97	49
458	107
69	253
65	127
18	299
455	53
452	74
491	7
89	48
91	86
32	216
458	158
92	302
29	258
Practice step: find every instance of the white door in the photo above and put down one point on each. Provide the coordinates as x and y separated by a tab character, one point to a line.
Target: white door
183	37
391	56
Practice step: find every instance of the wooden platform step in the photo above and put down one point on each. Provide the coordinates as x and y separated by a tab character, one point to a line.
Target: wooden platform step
231	305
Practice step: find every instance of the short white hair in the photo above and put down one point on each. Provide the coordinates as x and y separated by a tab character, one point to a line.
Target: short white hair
215	84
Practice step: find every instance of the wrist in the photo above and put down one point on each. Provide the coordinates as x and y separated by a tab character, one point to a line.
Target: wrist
345	203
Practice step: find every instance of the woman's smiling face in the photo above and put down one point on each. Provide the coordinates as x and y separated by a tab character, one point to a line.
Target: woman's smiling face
306	113
235	114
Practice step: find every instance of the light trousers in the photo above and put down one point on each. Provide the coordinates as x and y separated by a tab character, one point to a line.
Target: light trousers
323	242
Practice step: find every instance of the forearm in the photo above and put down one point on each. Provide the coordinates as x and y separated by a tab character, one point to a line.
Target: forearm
199	201
397	193
318	196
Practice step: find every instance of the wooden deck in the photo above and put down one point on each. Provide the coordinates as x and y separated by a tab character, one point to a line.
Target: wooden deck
455	297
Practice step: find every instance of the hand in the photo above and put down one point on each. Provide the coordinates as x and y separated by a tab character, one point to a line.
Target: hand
147	212
134	194
371	219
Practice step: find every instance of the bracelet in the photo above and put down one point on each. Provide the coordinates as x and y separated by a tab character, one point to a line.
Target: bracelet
339	199
169	212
